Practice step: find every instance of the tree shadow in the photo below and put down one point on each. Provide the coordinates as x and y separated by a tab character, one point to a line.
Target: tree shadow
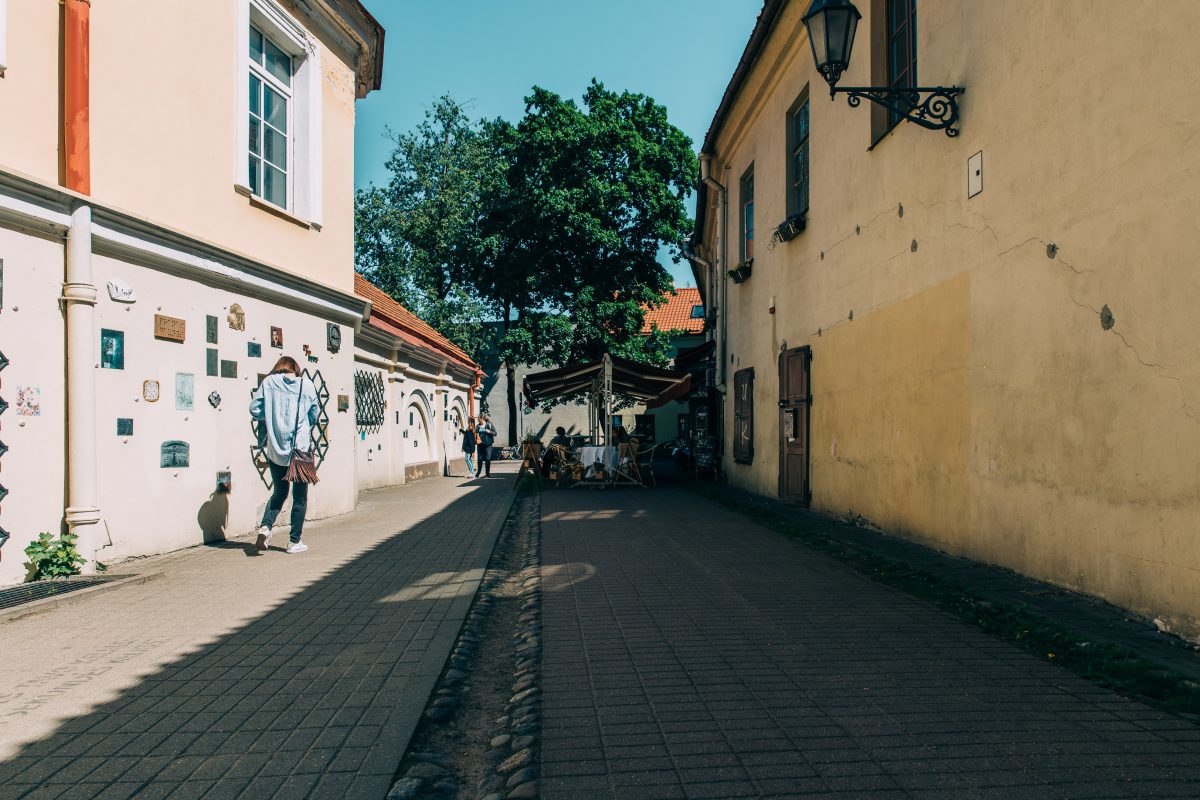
317	697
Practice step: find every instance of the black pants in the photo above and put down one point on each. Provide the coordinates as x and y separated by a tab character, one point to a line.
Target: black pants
484	465
280	493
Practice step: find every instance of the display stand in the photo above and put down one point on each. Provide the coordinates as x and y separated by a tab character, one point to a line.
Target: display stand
531	462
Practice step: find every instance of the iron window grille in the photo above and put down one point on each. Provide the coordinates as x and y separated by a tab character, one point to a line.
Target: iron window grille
370	403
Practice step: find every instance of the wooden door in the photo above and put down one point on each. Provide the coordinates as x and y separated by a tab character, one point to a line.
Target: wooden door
795	400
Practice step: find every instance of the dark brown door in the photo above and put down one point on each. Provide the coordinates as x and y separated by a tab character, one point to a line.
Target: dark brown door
795	399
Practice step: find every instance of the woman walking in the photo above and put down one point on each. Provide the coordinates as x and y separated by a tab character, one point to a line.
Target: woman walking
286	406
468	446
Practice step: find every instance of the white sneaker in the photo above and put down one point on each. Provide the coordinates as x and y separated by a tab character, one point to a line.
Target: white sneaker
264	536
298	547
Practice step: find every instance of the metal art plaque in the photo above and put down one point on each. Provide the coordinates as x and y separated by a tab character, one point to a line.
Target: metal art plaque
175	454
124	426
172	329
210	329
185	391
236	318
228	369
211	366
112	349
333	335
253	350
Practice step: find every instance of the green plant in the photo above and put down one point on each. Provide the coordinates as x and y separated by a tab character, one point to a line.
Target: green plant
54	558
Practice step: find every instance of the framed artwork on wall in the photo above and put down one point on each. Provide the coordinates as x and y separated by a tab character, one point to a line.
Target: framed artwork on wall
112	349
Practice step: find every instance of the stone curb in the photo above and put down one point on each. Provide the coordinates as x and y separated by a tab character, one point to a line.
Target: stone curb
429	778
51	603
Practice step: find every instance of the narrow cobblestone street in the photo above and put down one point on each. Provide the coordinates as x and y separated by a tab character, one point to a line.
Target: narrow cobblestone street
691	653
245	675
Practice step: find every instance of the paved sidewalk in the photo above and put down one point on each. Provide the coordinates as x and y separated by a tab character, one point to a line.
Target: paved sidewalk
691	653
247	675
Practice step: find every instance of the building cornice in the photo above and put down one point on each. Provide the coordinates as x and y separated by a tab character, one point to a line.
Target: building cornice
348	24
30	205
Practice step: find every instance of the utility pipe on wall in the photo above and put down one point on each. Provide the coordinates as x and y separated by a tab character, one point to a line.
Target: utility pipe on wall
79	296
77	160
719	273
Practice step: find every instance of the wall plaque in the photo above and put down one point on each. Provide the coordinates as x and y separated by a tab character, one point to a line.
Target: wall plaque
343	402
175	454
112	349
228	369
214	399
224	482
211	365
121	292
150	391
172	329
333	337
253	350
237	318
29	401
185	391
124	426
210	329
276	337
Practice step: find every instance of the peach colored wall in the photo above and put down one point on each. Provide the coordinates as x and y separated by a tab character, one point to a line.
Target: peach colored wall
171	159
29	90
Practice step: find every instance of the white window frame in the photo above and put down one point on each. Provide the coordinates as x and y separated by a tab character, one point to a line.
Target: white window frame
304	107
4	38
289	133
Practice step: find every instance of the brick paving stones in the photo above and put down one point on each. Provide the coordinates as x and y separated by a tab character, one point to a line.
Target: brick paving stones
240	675
690	653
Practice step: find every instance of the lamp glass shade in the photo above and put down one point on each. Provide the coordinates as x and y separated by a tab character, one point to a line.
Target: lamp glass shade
831	26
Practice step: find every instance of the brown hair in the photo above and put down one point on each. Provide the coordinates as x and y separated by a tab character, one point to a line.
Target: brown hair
286	364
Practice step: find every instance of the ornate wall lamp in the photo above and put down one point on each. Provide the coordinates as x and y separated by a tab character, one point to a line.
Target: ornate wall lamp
831	25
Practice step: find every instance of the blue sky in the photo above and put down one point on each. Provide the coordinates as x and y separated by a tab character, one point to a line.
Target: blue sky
680	52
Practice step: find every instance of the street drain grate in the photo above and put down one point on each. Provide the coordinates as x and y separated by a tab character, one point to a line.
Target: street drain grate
29	592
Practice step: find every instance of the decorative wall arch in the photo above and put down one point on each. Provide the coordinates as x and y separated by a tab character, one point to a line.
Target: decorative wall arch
419	424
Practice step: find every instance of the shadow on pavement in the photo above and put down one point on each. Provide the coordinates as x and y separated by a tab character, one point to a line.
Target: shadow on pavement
316	697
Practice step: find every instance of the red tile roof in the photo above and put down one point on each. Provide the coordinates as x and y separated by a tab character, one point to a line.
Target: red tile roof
382	305
675	314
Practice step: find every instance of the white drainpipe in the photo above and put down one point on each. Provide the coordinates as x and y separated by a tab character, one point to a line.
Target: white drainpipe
720	273
79	295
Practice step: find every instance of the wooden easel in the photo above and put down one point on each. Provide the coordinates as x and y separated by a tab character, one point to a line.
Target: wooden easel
531	462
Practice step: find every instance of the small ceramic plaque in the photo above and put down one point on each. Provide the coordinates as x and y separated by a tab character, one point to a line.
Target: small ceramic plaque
124	426
172	329
185	391
120	291
237	318
277	337
253	350
228	369
112	349
175	454
151	391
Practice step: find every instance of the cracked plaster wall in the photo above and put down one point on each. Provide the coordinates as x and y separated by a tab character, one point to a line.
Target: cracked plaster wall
970	391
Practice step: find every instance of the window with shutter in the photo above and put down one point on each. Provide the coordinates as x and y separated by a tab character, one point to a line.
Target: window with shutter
743	415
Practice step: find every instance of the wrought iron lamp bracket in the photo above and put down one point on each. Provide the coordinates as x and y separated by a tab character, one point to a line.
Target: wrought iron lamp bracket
932	107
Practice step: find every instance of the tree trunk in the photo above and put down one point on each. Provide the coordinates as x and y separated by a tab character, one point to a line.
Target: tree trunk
512	402
511	378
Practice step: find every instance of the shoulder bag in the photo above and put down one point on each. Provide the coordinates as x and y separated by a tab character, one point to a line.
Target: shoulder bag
303	466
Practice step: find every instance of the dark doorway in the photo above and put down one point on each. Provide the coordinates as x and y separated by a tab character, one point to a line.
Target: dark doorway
795	401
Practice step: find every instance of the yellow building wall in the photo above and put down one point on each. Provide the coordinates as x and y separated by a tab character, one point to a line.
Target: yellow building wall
1033	434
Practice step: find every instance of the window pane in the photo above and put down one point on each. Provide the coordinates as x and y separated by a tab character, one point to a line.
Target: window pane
256	45
275	147
750	230
278	63
275	109
274	186
255	168
255	94
255	135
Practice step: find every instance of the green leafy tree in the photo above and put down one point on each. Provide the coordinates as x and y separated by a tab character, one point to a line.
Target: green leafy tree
569	236
416	237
